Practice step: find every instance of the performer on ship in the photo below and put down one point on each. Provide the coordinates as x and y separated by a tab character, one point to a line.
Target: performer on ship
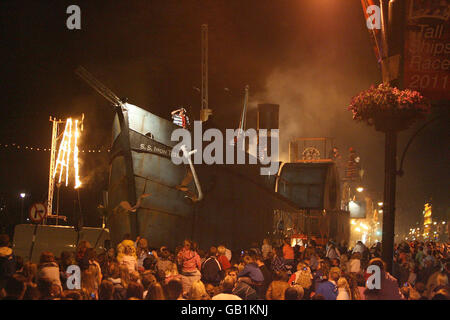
180	118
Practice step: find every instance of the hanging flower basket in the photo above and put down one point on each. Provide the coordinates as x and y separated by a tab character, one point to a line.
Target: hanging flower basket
388	108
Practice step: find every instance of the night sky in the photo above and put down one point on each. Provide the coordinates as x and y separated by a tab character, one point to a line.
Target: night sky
310	57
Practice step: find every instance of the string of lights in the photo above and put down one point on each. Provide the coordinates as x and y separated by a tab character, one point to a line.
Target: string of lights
15	146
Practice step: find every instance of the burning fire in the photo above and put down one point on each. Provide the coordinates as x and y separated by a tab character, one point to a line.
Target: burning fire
64	153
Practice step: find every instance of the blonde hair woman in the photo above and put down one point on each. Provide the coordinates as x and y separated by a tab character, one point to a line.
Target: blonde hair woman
89	283
343	290
221	257
198	291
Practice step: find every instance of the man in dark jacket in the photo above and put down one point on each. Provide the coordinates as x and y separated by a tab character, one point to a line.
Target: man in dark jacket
211	269
267	277
7	260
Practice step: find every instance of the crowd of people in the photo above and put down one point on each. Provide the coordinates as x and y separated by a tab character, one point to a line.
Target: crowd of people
265	271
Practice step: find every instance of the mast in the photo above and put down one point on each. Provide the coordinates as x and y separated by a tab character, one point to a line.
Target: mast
205	112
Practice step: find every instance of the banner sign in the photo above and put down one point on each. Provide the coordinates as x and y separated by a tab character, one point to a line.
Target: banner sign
427	48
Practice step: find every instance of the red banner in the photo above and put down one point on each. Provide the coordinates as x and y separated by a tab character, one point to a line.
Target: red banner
427	48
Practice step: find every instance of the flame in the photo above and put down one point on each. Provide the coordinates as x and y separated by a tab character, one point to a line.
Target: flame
64	153
75	156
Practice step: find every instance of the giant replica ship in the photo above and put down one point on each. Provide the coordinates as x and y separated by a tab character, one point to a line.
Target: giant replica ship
150	196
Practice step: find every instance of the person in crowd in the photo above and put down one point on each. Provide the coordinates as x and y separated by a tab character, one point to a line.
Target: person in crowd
353	283
278	262
328	287
120	287
89	283
106	290
190	263
344	292
81	250
241	288
228	285
251	272
222	258
267	275
332	251
44	286
174	290
278	286
147	280
7	260
198	291
288	254
266	249
155	292
211	269
436	282
142	251
293	293
171	273
48	268
163	262
354	264
126	255
302	277
135	290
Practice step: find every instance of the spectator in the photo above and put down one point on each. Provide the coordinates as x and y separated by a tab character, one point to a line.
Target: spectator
89	283
266	249
222	258
174	290
155	292
106	290
267	275
198	291
278	286
343	290
48	269
190	266
292	293
328	287
127	255
135	290
228	285
278	263
171	273
147	280
163	261
251	271
288	253
354	265
211	268
142	251
7	260
302	277
119	286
